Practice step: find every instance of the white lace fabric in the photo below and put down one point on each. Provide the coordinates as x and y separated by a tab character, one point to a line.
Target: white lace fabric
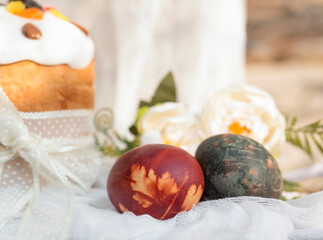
241	218
44	158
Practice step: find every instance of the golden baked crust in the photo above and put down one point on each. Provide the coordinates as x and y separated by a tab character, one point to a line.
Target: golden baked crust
37	88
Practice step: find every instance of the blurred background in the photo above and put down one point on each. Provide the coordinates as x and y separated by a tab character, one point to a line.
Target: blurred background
284	55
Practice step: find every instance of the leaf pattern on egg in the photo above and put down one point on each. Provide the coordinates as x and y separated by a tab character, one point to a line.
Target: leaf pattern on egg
122	208
140	198
192	197
141	182
152	189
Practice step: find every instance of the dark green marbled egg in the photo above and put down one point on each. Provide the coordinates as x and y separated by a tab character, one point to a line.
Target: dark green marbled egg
234	165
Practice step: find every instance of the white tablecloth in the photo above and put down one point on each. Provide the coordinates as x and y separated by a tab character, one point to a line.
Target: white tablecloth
238	218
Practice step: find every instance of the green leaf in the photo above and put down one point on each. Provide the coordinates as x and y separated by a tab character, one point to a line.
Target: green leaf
308	146
130	145
291	186
306	136
144	104
315	124
294	121
166	91
318	144
134	128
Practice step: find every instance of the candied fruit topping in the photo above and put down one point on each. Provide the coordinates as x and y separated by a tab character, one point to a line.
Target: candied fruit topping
15	6
56	13
47	8
30	4
33	13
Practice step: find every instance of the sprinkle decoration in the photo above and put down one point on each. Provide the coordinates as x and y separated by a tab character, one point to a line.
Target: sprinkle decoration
32	10
28	3
26	9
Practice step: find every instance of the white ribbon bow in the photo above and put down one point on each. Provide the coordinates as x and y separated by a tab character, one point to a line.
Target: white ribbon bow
15	141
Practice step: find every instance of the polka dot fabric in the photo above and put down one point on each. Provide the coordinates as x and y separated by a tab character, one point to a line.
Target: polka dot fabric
59	125
69	127
64	128
38	188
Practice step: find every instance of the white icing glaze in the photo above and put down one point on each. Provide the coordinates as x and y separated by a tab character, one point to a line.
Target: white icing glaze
61	43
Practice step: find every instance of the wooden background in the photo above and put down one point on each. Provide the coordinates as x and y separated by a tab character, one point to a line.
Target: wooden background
281	30
285	57
285	53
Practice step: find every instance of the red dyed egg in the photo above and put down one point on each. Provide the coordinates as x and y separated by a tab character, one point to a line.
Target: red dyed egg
155	179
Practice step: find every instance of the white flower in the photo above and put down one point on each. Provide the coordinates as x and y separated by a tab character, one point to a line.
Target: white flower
247	111
170	123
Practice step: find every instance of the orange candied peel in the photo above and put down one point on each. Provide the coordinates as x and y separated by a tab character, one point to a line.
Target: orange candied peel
15	6
33	13
56	13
